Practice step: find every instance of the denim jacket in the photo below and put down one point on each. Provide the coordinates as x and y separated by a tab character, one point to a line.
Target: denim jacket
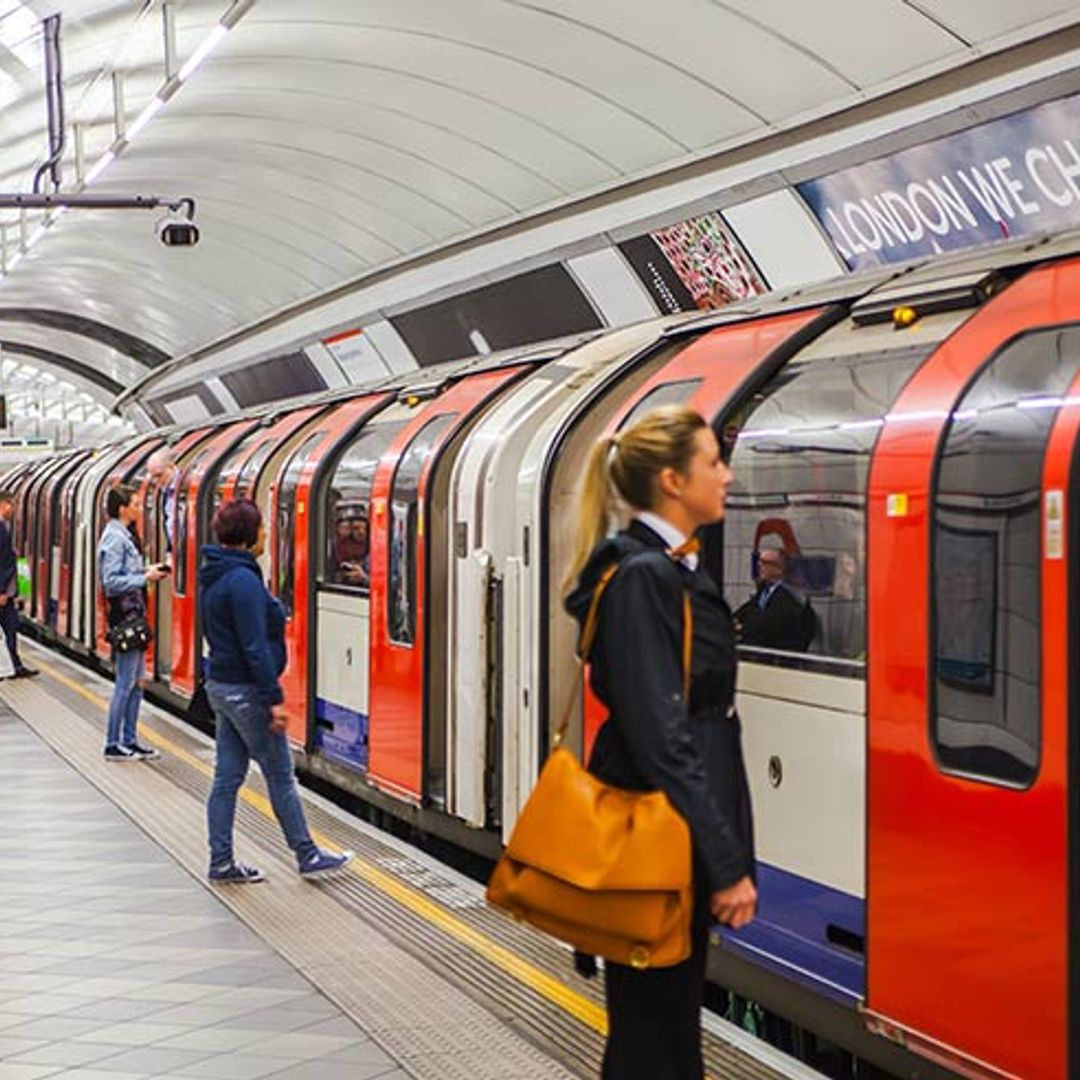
121	571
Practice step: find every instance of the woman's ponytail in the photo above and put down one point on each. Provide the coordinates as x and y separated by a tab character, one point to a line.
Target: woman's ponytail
622	471
595	506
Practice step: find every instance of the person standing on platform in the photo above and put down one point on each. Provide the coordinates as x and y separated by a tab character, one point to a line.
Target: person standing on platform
667	468
161	468
9	587
124	578
245	629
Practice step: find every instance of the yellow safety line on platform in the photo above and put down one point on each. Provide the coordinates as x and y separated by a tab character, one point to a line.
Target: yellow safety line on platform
547	986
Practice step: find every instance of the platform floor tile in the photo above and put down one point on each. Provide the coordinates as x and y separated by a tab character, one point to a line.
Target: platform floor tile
118	965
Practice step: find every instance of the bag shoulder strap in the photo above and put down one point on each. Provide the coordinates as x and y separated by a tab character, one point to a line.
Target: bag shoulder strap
588	636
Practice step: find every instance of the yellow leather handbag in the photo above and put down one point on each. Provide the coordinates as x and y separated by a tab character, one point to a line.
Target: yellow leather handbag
606	870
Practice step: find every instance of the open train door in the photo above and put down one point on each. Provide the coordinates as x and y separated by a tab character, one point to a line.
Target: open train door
969	813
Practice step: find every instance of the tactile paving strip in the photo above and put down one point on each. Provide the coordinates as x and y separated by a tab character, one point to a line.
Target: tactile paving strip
567	1032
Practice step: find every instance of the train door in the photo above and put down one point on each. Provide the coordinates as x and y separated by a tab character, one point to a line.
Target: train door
407	755
68	534
193	493
159	655
293	541
55	499
343	604
84	573
970	667
494	544
38	549
121	473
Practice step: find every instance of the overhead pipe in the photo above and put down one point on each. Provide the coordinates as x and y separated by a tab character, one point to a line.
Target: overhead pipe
54	101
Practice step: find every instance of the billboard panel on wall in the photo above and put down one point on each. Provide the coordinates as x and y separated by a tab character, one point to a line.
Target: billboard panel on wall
695	264
1015	176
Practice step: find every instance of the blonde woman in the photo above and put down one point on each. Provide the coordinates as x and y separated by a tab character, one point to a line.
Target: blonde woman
668	470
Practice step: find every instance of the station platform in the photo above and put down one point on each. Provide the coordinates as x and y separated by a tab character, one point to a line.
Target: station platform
121	961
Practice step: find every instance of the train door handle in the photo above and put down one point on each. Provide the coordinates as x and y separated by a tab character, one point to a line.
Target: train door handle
348	655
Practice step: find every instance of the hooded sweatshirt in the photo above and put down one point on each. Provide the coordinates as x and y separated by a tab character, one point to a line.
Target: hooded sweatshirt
243	623
653	738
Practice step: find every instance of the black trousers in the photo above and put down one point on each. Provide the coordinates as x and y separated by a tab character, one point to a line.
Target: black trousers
9	622
654	1016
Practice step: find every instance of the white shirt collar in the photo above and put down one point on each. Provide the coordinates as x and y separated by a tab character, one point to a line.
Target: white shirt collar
668	533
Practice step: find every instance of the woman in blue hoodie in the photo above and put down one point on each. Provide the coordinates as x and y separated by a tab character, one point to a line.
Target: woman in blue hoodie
245	628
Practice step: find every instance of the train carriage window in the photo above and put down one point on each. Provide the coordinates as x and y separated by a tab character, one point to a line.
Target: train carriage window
285	551
231	468
345	542
987	606
669	393
248	476
406	529
794	530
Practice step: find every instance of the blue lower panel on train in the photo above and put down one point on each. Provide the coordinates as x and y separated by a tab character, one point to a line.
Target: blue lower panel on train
808	932
341	734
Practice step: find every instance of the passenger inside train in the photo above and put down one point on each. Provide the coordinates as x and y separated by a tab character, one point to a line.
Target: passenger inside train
351	559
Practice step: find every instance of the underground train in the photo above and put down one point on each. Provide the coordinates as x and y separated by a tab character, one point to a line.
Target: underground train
906	437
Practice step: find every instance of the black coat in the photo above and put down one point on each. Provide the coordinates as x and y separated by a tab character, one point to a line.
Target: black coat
651	739
8	562
788	621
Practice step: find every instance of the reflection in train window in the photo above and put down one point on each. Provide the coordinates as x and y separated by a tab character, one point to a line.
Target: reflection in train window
669	393
346	534
987	560
794	530
285	549
406	529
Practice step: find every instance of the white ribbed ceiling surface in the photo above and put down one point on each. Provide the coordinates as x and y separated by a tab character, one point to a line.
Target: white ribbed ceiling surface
323	139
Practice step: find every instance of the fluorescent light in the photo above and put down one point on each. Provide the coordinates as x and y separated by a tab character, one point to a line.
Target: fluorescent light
35	236
14	261
144	118
209	44
101	165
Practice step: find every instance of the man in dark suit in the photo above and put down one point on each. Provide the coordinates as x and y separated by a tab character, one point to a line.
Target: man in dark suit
9	587
776	616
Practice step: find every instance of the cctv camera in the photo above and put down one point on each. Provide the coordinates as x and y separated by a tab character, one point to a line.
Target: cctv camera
179	233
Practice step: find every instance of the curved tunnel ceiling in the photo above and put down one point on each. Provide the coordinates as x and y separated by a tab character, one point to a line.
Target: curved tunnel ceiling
329	139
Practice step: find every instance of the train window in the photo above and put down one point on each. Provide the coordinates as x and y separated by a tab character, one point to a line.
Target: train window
180	523
345	533
987	560
231	467
670	393
794	529
406	529
285	552
248	476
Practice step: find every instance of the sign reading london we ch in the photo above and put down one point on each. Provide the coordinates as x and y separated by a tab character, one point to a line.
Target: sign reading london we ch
1016	176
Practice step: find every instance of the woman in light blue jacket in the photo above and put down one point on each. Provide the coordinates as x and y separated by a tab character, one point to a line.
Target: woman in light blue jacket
124	578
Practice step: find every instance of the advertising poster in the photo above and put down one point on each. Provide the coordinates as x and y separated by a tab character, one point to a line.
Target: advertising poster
696	264
1015	176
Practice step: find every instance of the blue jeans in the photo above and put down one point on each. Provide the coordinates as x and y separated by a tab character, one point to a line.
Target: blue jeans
243	733
126	698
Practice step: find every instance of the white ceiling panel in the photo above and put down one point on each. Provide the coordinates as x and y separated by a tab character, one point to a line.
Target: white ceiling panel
984	21
326	140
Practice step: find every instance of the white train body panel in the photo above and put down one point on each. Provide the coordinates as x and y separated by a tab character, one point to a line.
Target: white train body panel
813	822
